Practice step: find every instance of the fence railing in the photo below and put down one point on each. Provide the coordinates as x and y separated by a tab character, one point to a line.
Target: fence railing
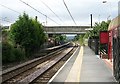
93	43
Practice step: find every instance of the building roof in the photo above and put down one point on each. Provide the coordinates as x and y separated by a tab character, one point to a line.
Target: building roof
114	23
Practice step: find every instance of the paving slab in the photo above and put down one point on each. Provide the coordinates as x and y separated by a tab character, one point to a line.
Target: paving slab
94	69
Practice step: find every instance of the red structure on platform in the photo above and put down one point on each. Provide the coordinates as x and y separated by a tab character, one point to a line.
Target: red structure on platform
113	42
114	46
104	37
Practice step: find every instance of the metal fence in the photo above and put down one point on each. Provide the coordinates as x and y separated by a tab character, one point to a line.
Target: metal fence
116	58
93	43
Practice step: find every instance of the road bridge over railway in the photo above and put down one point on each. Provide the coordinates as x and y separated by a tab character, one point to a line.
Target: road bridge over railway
66	29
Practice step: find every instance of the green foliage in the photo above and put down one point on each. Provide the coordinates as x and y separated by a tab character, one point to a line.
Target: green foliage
5	34
76	37
7	54
60	37
19	54
63	38
103	26
86	36
25	35
81	40
28	33
11	54
57	38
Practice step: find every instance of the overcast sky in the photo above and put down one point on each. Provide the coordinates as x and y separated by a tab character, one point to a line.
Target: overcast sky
80	10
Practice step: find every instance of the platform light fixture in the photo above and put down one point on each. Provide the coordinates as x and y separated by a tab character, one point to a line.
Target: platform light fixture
110	9
104	2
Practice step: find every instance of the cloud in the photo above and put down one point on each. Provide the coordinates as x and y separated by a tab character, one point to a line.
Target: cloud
80	10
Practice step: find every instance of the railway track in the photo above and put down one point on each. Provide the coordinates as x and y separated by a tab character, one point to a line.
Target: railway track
47	75
40	70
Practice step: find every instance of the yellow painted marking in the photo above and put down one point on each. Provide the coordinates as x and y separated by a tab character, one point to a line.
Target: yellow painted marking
74	74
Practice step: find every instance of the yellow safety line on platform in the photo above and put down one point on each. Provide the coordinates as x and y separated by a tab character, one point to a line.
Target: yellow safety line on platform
74	74
62	66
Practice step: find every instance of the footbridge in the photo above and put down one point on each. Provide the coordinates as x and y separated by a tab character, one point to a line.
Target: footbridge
66	29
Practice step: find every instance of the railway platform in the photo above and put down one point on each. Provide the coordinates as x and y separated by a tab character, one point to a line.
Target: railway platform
84	66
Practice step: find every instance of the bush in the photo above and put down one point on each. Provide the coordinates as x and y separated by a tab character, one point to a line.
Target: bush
11	54
19	54
7	53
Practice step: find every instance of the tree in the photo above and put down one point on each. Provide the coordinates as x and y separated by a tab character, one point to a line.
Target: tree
9	52
81	39
27	33
60	38
103	26
76	37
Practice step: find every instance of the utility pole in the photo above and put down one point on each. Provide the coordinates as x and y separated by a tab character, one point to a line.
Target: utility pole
46	20
91	19
36	18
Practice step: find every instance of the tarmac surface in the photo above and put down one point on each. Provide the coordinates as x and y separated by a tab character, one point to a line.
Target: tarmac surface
84	66
94	69
63	73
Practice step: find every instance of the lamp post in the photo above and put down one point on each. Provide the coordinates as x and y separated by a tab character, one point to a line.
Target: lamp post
104	2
